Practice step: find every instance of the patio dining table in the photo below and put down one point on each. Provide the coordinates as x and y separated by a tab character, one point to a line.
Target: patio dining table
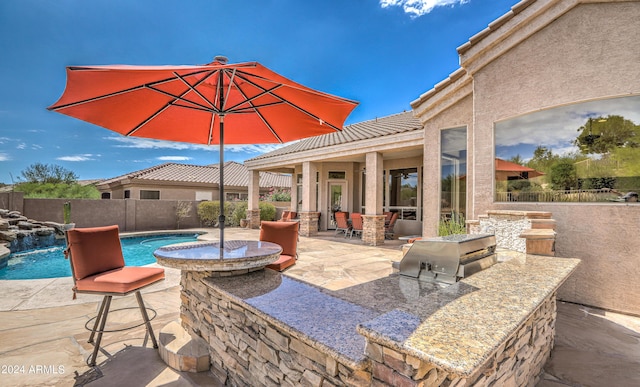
238	256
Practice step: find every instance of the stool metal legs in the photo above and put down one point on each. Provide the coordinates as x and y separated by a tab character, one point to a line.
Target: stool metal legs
101	320
145	317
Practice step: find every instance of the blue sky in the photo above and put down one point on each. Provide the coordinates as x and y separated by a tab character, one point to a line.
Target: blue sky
382	53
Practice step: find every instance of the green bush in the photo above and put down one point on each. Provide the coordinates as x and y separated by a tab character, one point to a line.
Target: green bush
277	195
457	225
209	211
239	212
267	211
58	190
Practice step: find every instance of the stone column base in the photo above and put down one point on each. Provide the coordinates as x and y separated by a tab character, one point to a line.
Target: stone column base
373	229
254	218
308	223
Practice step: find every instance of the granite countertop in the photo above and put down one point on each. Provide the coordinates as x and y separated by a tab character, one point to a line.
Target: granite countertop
456	327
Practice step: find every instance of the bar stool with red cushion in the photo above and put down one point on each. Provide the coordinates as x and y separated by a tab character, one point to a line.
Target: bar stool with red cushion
97	267
284	234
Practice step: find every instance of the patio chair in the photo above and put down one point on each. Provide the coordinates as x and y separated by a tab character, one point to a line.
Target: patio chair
98	267
356	224
284	234
388	229
342	224
285	216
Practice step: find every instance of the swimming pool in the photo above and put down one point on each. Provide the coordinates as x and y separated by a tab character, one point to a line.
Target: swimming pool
50	262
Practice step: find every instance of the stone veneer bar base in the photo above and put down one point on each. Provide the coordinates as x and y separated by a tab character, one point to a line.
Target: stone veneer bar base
247	350
517	362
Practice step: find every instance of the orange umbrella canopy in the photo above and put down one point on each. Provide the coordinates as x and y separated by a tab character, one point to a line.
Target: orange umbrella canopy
217	103
187	103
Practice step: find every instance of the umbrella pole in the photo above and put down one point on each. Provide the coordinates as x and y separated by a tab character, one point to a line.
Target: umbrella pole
221	217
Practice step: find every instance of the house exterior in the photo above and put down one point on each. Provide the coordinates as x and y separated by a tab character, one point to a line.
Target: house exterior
173	181
555	83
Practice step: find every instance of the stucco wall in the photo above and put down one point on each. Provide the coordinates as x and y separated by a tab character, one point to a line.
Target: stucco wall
129	215
591	52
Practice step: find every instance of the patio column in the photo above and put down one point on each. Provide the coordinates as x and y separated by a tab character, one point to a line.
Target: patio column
308	216
373	219
253	209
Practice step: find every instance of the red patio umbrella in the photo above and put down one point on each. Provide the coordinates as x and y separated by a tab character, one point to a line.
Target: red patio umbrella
216	103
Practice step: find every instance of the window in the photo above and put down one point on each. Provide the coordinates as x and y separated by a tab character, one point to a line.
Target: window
152	195
453	161
585	152
403	192
337	175
236	196
204	195
127	194
105	195
299	192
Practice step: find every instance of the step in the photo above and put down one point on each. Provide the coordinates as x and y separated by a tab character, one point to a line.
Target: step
180	351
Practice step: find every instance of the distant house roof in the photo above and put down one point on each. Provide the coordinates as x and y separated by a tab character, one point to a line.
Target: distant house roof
379	127
235	174
508	166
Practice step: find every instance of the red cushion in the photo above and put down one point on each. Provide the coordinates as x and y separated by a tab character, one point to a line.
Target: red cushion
94	250
282	263
120	281
283	233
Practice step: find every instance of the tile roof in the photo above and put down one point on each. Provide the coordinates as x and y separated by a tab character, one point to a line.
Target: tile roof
235	174
379	127
493	26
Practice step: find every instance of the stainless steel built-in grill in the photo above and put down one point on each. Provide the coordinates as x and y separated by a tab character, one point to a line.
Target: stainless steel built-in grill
449	258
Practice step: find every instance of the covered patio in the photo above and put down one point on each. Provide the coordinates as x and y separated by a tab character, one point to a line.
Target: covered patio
42	327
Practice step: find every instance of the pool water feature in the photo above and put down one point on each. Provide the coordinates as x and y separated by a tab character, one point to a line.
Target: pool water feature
50	262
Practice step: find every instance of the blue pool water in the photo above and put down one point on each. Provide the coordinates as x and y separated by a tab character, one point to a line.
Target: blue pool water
50	262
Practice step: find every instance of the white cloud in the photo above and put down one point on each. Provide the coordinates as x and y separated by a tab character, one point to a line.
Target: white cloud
253	149
143	143
4	157
417	8
174	158
22	145
84	157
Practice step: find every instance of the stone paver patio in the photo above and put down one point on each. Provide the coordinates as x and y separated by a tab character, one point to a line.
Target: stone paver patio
43	342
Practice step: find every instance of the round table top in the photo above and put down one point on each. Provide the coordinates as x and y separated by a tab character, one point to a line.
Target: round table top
208	256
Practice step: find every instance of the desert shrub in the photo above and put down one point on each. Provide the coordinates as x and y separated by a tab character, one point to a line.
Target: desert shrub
209	211
455	225
277	195
239	212
267	211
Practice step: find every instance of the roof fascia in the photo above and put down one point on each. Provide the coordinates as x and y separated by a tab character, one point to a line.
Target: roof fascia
523	20
444	95
412	138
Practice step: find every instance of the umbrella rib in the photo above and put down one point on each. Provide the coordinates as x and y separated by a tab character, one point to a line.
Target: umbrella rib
284	100
248	100
143	123
119	92
211	73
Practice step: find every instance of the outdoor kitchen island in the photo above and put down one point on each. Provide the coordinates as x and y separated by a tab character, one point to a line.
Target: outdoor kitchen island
494	327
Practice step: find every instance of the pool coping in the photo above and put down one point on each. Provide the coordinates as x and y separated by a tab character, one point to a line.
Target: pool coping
42	293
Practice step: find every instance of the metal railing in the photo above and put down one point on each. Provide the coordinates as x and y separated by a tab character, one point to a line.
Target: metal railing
578	195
